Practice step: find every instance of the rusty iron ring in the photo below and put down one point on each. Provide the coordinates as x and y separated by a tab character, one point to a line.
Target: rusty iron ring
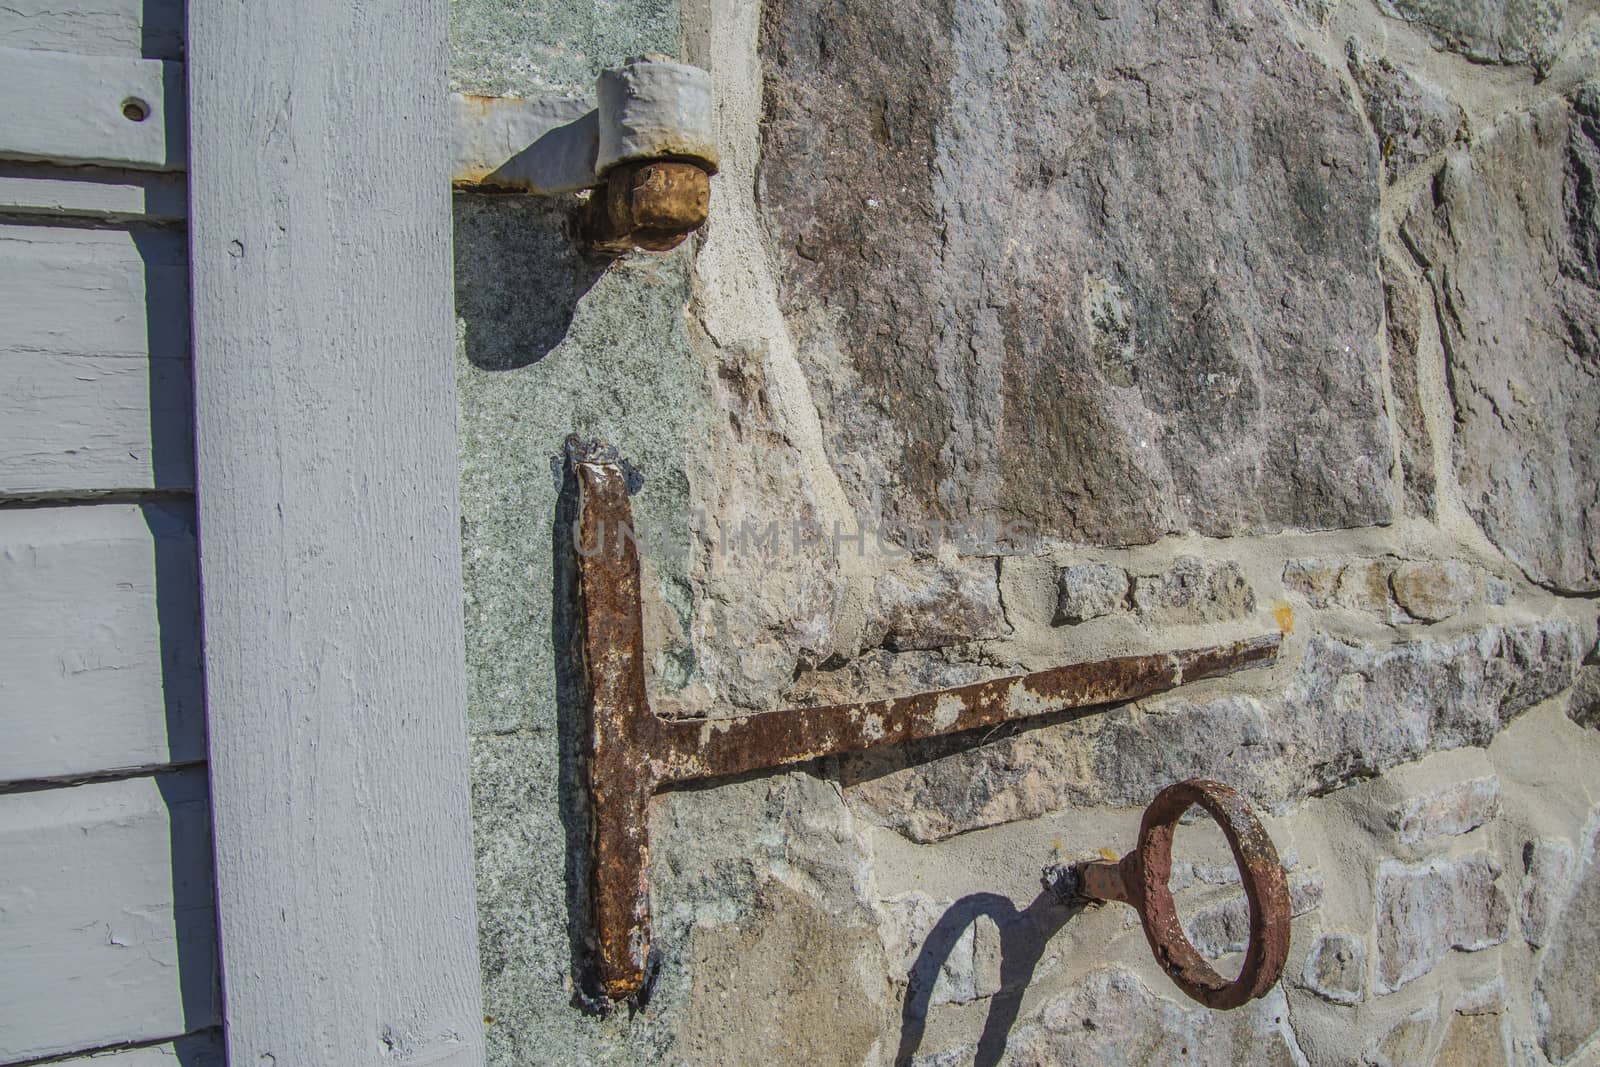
1147	868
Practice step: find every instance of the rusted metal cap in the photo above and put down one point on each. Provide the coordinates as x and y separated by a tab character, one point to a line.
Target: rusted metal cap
649	206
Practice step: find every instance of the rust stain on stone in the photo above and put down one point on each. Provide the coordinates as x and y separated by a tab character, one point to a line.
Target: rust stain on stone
632	752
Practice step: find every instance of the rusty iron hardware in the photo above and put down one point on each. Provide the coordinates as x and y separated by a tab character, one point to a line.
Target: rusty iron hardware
1140	879
647	150
632	752
649	206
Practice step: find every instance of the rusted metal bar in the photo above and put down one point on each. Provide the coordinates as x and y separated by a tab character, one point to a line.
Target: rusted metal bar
633	752
1140	879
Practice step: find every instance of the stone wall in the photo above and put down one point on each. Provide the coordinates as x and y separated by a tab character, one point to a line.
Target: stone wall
1120	326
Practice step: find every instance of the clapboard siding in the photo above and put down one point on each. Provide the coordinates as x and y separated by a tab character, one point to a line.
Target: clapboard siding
152	29
197	1050
75	109
99	640
94	354
109	925
91	193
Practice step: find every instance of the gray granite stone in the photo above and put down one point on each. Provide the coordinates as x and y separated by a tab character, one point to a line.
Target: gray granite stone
1193	590
1510	233
1547	866
1412	118
1031	277
1336	969
1425	911
1112	1019
1448	812
1089	591
1566	998
1489	31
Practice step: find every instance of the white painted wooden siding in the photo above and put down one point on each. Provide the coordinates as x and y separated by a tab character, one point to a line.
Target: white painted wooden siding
199	1050
329	531
141	29
82	109
92	192
107	901
106	915
94	354
99	640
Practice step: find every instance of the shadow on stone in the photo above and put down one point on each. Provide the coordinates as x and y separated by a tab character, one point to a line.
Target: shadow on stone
520	273
1023	937
572	724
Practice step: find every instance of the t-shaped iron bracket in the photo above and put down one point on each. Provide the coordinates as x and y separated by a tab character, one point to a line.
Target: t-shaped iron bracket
632	752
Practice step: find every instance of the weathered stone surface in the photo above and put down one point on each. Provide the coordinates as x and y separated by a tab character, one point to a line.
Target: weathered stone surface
1347	712
1476	1039
1510	231
1224	927
1566	998
1406	1042
1447	812
1315	579
1364	586
1112	1019
1583	707
521	47
1403	316
1487	999
1090	590
1547	874
931	606
1435	589
1107	271
1336	969
764	986
906	923
1412	118
1489	31
1193	590
1426	910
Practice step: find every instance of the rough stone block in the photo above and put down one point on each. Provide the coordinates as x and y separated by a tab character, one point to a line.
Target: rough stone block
1406	1042
1583	706
1566	997
1426	910
1403	314
1336	969
1489	31
1547	866
1224	927
1436	589
1193	590
1090	590
1031	278
747	1005
1476	1039
932	606
1510	233
1412	118
1315	579
1448	812
1364	586
1112	1018
906	924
